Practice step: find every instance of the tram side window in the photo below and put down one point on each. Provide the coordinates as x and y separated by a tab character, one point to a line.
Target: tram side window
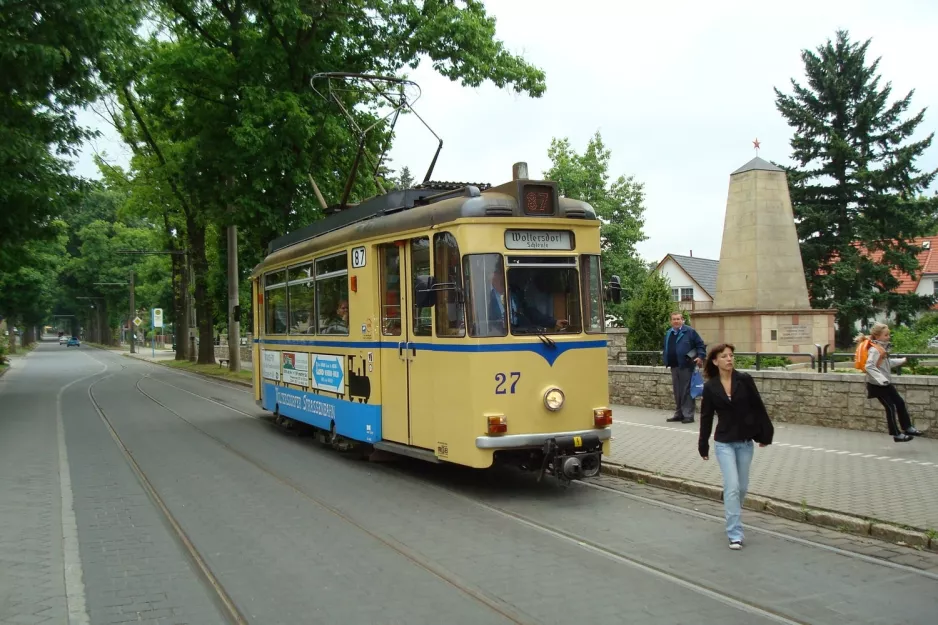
332	294
485	294
450	313
420	256
592	293
390	290
302	300
275	298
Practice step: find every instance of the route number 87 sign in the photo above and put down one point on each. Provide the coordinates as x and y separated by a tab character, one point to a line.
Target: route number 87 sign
358	257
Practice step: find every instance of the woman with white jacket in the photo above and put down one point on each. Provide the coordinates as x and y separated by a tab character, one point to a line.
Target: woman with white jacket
879	384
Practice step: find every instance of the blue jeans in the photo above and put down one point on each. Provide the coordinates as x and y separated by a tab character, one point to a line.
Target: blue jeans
734	460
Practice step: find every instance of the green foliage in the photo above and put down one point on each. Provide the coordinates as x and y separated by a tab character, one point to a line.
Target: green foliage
49	52
225	128
620	206
927	324
405	180
856	187
28	289
649	316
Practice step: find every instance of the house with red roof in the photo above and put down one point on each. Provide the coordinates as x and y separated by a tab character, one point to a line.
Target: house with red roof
926	282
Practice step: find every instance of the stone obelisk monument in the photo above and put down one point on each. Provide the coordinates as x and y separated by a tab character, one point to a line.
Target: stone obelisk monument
761	301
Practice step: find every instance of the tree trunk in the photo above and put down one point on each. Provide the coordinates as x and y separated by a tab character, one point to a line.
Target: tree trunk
181	328
11	328
844	335
203	303
29	336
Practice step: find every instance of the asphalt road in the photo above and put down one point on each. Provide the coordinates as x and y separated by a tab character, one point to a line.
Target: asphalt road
133	493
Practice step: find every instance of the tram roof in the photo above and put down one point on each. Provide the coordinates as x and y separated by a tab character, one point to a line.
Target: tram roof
424	206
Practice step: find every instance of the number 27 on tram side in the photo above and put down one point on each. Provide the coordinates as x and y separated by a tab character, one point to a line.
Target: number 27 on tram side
453	323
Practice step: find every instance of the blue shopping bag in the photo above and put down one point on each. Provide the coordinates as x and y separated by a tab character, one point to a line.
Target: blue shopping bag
696	384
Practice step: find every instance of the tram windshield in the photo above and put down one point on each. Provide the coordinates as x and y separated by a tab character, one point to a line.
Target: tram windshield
540	295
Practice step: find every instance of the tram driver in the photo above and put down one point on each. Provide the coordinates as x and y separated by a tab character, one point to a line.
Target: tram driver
338	323
525	316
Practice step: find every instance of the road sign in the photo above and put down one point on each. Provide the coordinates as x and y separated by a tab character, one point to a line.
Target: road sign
137	321
157	317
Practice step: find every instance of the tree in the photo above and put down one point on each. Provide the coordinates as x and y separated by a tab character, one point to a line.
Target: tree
649	316
406	179
620	206
49	52
28	289
218	106
856	192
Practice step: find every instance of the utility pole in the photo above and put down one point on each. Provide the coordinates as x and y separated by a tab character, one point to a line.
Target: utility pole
234	308
133	314
184	288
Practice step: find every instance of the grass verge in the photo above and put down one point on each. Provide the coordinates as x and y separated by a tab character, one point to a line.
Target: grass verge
214	371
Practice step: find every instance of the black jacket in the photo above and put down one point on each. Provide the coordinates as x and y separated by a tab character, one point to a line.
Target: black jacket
741	418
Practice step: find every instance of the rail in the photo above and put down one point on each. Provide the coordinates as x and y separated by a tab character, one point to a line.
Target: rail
832	358
655	358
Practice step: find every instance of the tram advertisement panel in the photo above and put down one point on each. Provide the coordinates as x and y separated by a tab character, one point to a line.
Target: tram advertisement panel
296	368
328	373
271	365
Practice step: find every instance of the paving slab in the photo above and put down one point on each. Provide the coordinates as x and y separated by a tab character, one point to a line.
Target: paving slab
863	474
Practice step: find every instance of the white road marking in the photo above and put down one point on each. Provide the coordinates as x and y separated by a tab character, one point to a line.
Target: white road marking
790	445
74	584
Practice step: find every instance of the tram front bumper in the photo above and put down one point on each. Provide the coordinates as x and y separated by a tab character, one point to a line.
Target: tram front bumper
526	441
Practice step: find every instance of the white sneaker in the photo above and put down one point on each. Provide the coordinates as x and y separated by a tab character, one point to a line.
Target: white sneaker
735	544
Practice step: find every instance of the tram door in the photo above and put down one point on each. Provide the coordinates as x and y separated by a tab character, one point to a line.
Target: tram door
406	413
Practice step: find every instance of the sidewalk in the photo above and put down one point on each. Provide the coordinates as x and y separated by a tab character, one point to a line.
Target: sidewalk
160	355
859	473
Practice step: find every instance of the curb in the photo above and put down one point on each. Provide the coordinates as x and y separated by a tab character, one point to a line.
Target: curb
908	537
206	376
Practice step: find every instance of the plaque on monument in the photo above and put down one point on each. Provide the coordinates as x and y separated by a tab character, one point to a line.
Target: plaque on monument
794	334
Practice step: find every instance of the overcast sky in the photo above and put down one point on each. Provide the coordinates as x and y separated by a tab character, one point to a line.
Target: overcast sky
678	91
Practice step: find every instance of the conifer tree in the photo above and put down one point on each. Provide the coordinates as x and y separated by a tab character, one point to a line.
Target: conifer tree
856	192
649	317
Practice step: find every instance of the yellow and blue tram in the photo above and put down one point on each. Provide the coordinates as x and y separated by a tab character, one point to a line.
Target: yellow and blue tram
455	323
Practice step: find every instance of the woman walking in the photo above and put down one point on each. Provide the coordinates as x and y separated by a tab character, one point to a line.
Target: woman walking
733	396
878	370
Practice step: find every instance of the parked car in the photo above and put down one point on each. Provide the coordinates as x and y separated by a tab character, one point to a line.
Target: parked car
933	342
73	341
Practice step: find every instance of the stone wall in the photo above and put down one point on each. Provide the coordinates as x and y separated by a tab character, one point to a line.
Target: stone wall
616	344
835	400
221	351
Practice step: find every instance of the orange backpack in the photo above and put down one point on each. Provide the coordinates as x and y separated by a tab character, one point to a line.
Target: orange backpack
859	356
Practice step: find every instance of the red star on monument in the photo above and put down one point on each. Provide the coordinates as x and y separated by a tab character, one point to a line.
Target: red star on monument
755	143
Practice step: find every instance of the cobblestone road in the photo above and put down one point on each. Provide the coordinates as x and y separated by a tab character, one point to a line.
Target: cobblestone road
295	533
860	473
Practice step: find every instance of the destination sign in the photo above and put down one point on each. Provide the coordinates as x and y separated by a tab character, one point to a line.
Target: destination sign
538	240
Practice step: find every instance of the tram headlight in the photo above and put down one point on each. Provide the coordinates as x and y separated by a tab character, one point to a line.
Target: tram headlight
553	399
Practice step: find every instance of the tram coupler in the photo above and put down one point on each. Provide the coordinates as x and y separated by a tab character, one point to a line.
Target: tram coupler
572	457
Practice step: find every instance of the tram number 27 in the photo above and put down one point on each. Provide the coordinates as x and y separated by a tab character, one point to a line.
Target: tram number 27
502	379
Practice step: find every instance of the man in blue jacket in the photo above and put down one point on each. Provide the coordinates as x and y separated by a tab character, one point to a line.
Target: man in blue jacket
683	349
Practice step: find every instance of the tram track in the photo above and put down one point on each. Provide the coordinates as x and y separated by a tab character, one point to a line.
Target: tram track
761	530
579	541
493	603
231	610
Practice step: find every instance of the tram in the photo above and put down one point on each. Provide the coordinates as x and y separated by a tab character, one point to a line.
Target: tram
457	323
